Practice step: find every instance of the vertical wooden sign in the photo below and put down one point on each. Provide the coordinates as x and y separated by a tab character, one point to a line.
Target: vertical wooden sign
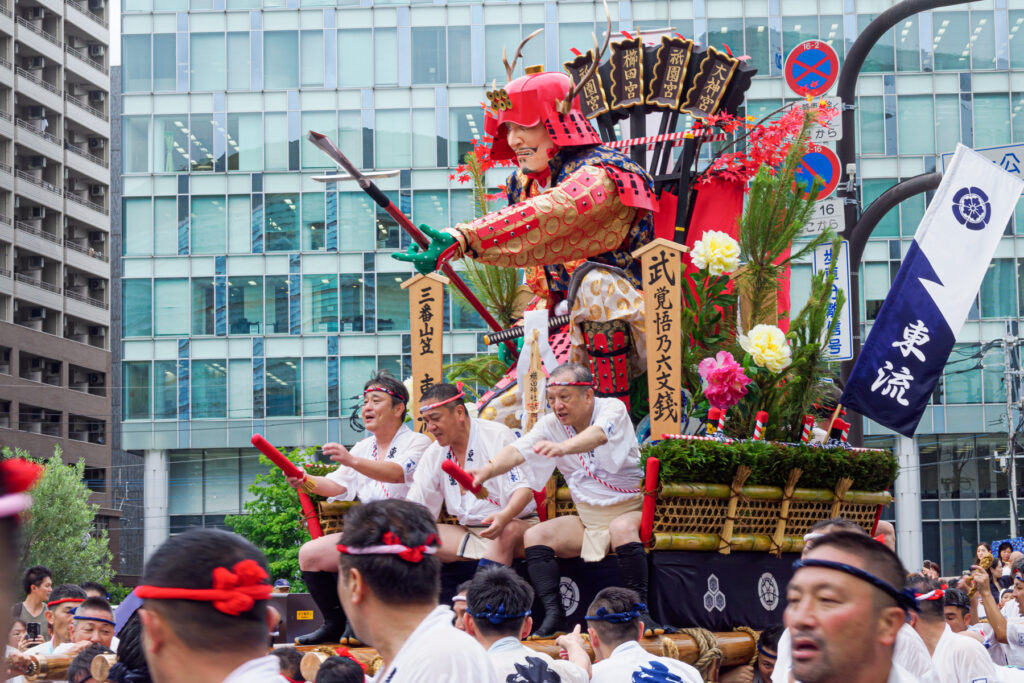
426	316
663	301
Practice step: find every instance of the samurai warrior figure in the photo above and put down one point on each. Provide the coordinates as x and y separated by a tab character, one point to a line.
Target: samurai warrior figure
576	212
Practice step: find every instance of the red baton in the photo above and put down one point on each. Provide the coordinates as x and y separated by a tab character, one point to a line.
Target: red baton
650	500
291	470
452	469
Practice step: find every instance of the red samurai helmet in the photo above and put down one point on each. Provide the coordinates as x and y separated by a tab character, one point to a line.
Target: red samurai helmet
547	97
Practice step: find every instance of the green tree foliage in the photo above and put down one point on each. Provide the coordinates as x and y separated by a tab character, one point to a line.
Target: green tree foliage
273	519
58	532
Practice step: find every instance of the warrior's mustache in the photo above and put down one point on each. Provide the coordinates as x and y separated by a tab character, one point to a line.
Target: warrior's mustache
527	151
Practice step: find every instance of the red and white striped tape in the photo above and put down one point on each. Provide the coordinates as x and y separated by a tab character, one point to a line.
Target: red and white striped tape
689	437
665	137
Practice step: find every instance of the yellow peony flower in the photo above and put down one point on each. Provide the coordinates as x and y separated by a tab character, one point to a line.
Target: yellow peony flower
768	347
717	252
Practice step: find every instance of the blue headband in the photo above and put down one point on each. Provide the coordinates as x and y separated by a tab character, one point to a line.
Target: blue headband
766	653
101	619
635	612
904	598
498	616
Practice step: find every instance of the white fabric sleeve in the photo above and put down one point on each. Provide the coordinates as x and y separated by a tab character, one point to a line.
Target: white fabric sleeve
912	654
569	672
1014	636
537	469
975	664
426	483
783	659
344	476
409	458
622	448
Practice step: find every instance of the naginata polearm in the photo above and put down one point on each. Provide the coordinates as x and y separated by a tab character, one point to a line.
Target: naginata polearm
516	332
369	187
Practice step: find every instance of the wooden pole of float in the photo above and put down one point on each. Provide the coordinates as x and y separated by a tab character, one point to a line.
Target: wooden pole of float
48	667
663	322
532	408
426	316
101	665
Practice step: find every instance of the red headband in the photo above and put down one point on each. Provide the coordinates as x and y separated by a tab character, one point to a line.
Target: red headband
391	544
431	406
384	390
936	594
343	652
570	384
62	601
233	592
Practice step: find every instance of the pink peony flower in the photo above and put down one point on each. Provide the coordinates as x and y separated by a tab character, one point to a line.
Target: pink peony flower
724	381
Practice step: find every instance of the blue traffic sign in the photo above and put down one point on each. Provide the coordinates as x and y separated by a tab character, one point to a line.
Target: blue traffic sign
818	164
812	68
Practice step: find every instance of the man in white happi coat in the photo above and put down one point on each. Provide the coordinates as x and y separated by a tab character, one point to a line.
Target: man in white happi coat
960	618
592	443
490	525
498	615
956	658
615	626
1008	630
389	584
845	606
380	466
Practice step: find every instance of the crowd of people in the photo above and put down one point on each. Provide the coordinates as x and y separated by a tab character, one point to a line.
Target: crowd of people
202	612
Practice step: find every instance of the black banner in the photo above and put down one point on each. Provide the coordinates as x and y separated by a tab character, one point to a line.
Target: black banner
627	73
592	98
669	76
710	84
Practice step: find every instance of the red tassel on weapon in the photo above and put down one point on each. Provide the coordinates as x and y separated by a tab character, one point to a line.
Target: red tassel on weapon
650	500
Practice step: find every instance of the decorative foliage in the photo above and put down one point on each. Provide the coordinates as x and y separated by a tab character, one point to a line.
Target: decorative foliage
771	463
59	529
724	381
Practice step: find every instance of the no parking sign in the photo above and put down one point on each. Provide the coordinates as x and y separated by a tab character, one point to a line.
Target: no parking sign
811	68
821	164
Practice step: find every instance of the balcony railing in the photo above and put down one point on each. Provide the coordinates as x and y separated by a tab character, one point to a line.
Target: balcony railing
92	110
88	251
22	21
4	62
25	125
21	277
25	227
5	10
5	273
86	155
36	181
98	303
84	9
90	205
77	52
29	76
5	219
5	116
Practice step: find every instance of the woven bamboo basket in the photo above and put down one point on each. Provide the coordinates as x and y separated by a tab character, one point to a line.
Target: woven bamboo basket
332	515
693	516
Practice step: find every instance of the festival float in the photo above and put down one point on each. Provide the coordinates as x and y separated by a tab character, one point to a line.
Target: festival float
677	295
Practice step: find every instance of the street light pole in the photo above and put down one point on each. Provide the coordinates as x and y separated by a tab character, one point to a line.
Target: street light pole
846	150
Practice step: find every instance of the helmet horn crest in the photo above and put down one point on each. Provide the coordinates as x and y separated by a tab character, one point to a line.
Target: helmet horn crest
564	106
510	68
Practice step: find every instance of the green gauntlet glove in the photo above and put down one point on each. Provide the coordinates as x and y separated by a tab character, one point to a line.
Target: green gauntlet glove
437	253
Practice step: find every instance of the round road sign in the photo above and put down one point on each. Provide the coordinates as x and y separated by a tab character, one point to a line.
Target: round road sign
821	164
811	68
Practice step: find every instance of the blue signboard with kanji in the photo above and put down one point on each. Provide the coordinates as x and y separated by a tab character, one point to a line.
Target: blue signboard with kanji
839	346
819	164
811	68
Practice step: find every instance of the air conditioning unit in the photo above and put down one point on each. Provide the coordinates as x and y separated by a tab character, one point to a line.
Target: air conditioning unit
34	263
97	95
97	50
36	13
76	184
97	143
37	313
95	378
96	235
36	63
74	281
97	190
95	283
36	112
97	331
38	212
37	161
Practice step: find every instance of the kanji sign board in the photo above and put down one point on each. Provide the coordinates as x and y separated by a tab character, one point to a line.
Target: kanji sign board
1010	158
840	345
811	68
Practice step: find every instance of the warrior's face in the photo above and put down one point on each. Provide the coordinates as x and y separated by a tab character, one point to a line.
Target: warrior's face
533	146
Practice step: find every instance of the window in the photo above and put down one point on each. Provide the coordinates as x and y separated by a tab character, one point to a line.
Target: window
313	58
276	304
353	47
170	144
284	390
758	46
208	219
138	312
165	225
204	306
872	125
314	386
999	290
385	57
319	303
239	67
170	306
355	221
465	125
239	224
165	389
245	304
209	389
424	138
908	45
962	376
164	62
281	216
430	208
428	54
135	151
138	226
392	142
889	226
240	384
135	72
991	120
245	142
206	64
325	122
914	137
351	291
951	41
881	58
722	32
1016	46
281	60
136	391
201	148
460	65
314	233
983	40
275	126
221	486
947	122
392	302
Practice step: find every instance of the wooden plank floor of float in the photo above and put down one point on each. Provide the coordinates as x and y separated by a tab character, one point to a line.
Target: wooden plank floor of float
737	648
